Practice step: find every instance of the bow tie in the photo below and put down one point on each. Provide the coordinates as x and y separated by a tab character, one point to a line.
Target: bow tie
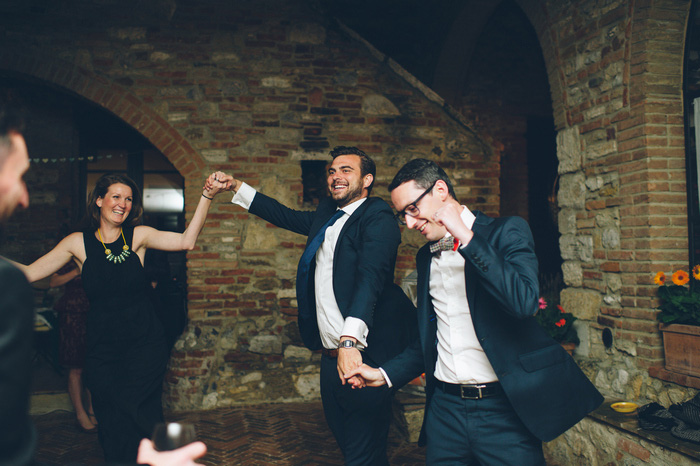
448	243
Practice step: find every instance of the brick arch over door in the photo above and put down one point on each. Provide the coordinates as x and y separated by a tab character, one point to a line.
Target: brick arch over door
109	95
468	25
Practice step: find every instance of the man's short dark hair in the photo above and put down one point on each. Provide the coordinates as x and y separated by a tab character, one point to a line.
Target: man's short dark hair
425	173
11	121
367	166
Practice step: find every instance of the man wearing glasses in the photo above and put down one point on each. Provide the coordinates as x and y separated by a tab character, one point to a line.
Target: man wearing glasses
348	304
497	385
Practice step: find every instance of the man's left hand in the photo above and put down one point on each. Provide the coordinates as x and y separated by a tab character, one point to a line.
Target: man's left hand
348	359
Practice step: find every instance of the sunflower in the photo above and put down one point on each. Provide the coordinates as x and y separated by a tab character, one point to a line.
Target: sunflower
680	277
696	272
660	278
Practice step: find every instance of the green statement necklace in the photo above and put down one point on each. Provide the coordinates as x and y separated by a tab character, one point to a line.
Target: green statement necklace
111	257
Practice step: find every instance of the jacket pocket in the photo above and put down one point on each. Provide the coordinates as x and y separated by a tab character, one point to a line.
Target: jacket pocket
541	358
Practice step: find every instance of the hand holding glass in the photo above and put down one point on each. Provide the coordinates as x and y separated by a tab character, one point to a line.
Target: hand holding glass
172	435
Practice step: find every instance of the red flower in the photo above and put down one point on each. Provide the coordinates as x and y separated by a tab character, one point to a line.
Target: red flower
561	323
561	308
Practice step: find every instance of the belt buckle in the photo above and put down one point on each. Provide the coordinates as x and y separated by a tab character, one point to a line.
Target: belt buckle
467	397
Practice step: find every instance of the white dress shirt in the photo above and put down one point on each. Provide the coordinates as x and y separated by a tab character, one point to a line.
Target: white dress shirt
331	323
461	359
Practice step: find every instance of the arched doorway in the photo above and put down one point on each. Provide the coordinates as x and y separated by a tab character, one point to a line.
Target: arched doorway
504	90
71	142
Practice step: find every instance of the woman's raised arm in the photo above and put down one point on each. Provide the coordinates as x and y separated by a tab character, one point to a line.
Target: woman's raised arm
169	241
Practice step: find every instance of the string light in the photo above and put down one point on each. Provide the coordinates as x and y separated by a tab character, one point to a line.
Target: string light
89	158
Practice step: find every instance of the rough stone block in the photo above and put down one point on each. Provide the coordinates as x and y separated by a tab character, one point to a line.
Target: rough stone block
266	344
308	385
379	105
569	150
584	304
297	352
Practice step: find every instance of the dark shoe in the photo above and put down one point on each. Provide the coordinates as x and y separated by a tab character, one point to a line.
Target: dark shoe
685	432
688	412
653	416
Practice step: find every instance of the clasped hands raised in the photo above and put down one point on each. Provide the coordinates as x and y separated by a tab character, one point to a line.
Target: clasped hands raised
221	182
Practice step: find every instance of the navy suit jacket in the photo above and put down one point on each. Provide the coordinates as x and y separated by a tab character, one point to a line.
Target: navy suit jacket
546	388
363	271
17	437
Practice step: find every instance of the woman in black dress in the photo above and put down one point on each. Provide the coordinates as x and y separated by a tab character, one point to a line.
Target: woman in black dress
126	354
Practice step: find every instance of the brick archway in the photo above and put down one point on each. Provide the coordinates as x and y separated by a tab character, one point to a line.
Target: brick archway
109	95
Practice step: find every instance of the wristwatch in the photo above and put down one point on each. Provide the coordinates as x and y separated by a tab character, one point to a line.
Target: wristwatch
346	344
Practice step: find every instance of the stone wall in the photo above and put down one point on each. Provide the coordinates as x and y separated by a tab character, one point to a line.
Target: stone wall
595	443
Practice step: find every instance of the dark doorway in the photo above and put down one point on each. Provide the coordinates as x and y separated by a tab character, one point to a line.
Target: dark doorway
542	188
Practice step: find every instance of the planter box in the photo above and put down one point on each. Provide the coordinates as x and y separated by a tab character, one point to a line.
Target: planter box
682	348
569	347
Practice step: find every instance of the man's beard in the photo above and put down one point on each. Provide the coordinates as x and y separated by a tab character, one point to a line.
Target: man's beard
351	193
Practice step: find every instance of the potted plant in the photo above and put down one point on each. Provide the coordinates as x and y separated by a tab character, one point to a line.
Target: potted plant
557	323
680	321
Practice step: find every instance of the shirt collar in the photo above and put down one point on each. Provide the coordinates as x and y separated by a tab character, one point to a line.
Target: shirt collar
353	206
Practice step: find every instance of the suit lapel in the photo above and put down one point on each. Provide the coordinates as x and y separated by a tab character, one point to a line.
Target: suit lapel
323	213
429	319
483	226
355	216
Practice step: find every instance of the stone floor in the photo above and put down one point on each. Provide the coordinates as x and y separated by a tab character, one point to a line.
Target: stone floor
274	434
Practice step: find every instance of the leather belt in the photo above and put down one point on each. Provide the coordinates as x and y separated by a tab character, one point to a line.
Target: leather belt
331	353
475	391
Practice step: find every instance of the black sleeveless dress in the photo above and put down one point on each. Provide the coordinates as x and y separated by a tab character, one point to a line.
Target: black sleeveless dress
126	353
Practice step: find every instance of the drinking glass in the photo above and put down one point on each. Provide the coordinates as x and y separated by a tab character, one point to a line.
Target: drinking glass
172	435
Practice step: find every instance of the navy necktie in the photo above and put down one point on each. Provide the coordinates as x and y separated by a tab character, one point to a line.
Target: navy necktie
305	263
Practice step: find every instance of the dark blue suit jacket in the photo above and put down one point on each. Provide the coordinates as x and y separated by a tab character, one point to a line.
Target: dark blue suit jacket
363	271
17	437
547	389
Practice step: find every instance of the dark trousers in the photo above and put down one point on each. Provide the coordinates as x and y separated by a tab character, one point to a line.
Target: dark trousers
478	432
359	419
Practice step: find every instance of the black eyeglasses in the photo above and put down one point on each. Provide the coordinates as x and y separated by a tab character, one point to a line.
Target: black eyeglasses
412	209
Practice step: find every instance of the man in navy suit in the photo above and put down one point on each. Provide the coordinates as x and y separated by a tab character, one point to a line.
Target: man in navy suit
496	384
349	306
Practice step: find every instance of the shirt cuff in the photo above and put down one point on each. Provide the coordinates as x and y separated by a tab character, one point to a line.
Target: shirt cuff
386	378
356	328
244	196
